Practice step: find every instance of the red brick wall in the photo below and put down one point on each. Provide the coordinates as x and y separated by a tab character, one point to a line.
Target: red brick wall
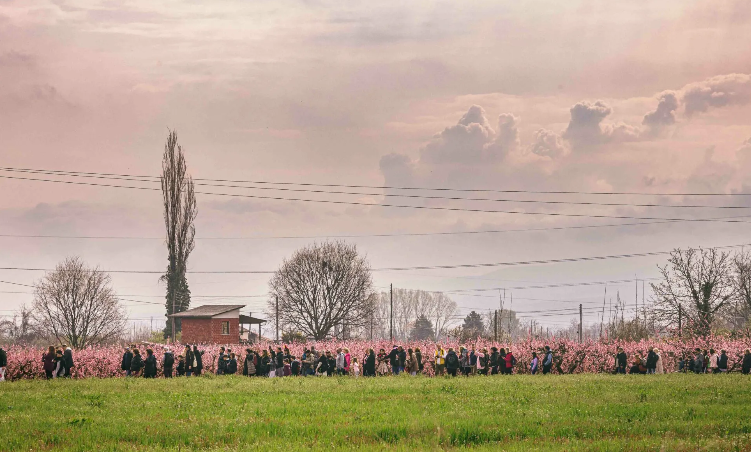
210	330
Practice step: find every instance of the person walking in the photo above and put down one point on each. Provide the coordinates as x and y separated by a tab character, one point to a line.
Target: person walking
322	365
189	359
698	361
180	366
659	367
231	367
220	364
651	363
439	360
411	362
136	364
510	362
48	362
402	357
332	364
59	364
621	361
262	370
279	362
394	360
464	361
68	360
452	362
418	355
713	359
547	363
473	360
3	363
168	361
746	363
534	364
339	361
482	362
347	361
722	362
149	365
494	360
197	361
383	362
125	363
369	364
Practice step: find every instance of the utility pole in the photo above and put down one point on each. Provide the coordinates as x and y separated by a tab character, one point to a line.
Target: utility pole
495	326
391	315
680	319
174	333
581	319
277	318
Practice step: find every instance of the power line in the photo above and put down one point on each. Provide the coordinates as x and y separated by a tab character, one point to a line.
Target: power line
400	206
426	267
395	195
387	187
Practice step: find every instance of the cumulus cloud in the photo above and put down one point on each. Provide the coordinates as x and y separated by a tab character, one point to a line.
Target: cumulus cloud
586	131
743	154
548	144
473	140
719	91
664	114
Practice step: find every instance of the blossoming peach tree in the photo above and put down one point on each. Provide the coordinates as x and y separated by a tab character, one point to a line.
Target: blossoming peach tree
570	356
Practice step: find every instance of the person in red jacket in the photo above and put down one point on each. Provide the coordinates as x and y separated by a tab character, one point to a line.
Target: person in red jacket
510	362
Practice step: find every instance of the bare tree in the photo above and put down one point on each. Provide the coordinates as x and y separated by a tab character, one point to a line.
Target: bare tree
321	288
741	312
699	282
179	214
20	329
76	305
410	304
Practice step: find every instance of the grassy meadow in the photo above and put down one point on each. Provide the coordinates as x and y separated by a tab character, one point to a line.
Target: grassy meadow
576	412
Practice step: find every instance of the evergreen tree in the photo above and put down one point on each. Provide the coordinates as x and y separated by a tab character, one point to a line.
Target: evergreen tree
423	329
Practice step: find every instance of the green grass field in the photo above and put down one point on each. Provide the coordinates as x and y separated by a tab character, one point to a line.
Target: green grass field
582	412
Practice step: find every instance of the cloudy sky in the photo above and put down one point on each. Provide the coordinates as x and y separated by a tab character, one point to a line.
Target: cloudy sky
586	96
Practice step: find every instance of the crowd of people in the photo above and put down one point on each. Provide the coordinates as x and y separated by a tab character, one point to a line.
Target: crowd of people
279	362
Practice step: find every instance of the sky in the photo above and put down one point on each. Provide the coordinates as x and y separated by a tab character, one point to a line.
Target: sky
587	96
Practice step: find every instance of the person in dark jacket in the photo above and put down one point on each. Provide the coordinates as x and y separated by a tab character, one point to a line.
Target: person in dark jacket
418	356
48	360
149	366
189	359
168	361
68	360
59	364
136	364
547	361
3	363
698	361
279	362
221	363
295	366
651	363
369	368
452	362
332	363
197	360
621	361
402	358
248	364
125	363
322	366
394	360
746	363
180	366
231	367
722	362
494	360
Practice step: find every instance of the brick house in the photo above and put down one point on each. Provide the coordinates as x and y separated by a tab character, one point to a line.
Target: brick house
219	324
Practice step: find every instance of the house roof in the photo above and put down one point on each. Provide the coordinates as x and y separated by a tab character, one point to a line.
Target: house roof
208	310
248	320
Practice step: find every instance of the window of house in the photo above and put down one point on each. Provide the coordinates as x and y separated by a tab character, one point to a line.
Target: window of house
225	327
